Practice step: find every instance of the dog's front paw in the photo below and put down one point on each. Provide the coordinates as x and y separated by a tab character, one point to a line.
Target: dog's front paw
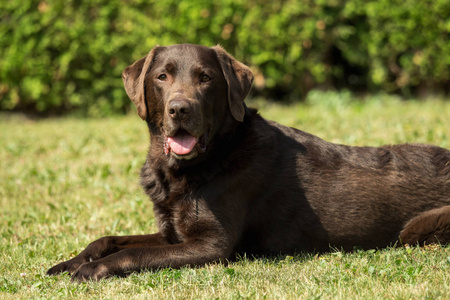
68	266
92	271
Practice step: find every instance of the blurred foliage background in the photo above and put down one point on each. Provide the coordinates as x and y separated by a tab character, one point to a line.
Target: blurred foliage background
58	56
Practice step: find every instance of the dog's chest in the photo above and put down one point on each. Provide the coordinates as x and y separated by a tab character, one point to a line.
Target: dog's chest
179	218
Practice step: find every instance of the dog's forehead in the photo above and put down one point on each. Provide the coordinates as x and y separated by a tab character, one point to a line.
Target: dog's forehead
187	56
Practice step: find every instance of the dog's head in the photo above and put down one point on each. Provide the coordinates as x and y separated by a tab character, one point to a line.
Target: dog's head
186	92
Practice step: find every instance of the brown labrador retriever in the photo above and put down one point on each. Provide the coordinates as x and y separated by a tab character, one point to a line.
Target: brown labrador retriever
224	180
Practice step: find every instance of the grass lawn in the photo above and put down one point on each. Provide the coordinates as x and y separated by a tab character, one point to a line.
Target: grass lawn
66	181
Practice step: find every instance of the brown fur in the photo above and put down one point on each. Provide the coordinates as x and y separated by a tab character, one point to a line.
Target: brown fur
255	186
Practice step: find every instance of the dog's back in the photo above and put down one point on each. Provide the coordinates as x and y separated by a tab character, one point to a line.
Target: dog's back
323	194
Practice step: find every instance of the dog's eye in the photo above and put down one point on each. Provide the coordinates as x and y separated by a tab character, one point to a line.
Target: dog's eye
162	77
205	78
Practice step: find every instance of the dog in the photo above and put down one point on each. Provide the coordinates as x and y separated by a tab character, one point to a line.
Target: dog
224	180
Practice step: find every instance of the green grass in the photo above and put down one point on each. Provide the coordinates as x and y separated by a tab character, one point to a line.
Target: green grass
65	182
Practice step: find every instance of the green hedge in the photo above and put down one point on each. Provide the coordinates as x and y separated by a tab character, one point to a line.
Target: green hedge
60	55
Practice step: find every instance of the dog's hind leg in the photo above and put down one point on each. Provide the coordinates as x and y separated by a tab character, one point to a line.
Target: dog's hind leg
430	227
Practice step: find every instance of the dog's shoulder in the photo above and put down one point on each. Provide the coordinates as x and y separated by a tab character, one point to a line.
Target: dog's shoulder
267	132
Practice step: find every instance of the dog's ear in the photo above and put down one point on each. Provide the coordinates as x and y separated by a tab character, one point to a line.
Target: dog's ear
134	80
239	79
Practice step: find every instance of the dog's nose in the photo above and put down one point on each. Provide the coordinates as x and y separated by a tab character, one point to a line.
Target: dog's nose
178	109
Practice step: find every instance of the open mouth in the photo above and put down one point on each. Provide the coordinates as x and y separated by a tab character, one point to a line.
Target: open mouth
184	145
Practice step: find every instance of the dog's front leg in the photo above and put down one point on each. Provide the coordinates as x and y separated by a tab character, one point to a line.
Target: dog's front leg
105	246
191	253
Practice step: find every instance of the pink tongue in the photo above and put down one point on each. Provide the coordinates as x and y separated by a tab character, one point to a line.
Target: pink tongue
182	143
